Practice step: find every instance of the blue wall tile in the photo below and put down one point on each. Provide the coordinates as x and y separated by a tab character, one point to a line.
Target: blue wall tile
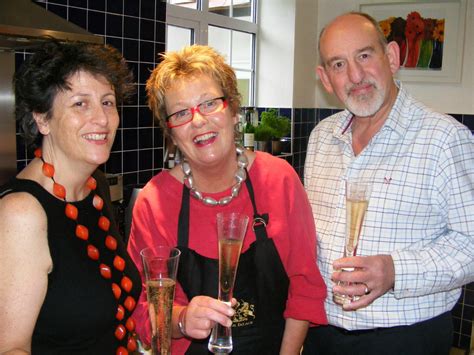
114	25
97	5
96	22
131	8
78	3
468	120
78	17
115	6
147	30
131	27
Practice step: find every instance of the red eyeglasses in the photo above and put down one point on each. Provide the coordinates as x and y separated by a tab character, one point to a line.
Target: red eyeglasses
205	108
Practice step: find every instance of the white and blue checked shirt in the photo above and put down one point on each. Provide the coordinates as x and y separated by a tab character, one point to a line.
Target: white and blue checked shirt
421	209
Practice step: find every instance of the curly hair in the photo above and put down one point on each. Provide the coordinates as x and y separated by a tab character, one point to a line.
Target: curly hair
184	64
48	71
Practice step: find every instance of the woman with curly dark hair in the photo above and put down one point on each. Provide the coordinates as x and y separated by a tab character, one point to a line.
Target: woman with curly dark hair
67	284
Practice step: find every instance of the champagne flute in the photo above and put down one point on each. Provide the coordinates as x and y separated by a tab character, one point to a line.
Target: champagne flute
161	265
231	228
357	200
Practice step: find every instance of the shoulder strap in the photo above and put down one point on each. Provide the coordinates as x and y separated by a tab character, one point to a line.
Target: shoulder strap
21	185
6	191
259	220
183	220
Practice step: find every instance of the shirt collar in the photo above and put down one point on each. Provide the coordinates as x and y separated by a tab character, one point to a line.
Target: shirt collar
398	119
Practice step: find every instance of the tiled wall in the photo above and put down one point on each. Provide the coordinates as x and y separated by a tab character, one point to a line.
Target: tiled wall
304	122
137	29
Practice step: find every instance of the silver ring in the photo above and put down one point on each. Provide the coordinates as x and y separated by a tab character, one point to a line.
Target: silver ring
366	291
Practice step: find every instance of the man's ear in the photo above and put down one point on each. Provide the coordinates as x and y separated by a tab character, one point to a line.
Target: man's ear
393	54
324	78
41	122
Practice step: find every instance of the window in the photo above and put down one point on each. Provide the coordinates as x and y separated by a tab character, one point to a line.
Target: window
184	3
237	47
227	25
241	9
180	36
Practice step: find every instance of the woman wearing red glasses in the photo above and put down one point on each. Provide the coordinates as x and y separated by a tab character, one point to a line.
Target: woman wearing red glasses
279	290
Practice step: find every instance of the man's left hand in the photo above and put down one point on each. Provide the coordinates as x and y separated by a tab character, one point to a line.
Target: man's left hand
372	277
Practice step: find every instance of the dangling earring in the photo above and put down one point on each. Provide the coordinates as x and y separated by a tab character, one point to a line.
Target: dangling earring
177	156
170	159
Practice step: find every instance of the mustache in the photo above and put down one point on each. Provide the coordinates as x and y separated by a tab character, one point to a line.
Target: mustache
350	88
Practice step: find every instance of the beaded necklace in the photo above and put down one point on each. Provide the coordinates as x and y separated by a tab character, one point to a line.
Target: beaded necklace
240	176
82	232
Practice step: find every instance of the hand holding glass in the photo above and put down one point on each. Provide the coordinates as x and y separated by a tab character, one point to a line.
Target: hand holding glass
161	265
231	228
357	200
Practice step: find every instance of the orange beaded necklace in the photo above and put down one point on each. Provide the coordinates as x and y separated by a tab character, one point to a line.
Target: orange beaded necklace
82	232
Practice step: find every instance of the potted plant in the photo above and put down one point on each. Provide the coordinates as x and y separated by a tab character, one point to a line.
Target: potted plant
263	134
280	127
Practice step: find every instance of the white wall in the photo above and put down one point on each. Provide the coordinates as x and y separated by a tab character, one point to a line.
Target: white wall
287	58
306	34
275	52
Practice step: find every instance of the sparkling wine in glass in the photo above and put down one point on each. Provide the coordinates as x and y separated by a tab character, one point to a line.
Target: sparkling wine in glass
357	200
231	228
161	265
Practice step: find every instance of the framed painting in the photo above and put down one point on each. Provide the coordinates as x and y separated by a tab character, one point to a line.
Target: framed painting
430	35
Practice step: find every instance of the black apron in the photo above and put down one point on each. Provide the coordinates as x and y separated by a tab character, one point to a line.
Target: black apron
261	286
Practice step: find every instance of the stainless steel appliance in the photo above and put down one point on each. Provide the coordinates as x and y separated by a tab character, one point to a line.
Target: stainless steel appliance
7	121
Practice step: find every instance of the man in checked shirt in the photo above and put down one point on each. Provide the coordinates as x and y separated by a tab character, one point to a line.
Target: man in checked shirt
416	247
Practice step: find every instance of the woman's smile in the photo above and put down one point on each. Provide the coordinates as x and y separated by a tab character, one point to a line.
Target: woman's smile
205	139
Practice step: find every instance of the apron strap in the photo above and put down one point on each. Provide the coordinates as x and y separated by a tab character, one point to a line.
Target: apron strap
183	221
259	221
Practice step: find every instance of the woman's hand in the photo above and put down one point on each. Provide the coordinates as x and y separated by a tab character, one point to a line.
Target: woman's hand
203	313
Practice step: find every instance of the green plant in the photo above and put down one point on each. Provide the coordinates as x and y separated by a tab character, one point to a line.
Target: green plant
279	125
249	128
263	133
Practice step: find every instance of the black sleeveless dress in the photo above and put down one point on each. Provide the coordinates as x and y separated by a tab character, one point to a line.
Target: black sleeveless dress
78	313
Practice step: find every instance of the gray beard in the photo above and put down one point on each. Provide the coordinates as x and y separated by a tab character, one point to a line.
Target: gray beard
364	106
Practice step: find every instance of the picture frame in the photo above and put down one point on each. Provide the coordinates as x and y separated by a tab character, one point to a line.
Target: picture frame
450	13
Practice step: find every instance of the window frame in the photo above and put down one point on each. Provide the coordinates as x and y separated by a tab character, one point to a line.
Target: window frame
199	21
